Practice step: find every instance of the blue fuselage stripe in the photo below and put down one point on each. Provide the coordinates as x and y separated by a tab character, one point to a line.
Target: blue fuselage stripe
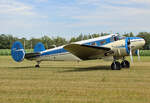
97	43
62	50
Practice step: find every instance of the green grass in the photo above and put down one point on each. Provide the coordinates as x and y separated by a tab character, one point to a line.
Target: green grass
7	52
72	82
145	52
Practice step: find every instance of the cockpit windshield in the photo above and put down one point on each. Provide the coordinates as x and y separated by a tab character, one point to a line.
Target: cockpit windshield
118	37
121	37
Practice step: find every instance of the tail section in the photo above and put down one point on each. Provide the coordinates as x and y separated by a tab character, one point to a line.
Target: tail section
17	51
39	47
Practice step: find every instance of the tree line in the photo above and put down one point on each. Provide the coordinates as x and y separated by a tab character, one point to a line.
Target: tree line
6	40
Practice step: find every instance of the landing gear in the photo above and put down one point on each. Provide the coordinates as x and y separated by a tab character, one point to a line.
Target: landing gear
115	65
38	64
125	64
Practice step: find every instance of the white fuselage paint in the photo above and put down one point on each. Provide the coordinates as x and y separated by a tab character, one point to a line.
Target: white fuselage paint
59	57
67	56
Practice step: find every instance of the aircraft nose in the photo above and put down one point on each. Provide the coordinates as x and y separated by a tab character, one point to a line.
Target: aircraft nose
140	42
143	42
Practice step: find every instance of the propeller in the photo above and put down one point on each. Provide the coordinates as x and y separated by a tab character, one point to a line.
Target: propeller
138	53
131	57
130	49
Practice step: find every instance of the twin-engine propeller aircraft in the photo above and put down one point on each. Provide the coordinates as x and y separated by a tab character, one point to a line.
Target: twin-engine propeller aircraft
110	47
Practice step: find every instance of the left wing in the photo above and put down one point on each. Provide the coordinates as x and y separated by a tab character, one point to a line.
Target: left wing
86	52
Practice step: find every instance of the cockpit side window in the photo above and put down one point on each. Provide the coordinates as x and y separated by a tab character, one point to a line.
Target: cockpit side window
112	39
102	42
94	44
115	38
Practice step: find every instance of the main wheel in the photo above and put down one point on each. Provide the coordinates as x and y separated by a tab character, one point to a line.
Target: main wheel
115	66
125	64
37	66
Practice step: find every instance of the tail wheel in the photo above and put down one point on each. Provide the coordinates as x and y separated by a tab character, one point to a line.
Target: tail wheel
37	66
125	64
115	66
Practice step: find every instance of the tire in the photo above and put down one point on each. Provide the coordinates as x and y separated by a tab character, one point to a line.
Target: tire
125	64
116	66
37	66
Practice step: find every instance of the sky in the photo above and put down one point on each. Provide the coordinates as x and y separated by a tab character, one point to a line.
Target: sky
69	18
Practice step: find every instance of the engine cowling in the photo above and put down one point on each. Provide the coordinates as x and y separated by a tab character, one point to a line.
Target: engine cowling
122	48
127	46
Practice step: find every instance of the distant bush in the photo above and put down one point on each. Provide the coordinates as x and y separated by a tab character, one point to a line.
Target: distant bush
5	52
145	52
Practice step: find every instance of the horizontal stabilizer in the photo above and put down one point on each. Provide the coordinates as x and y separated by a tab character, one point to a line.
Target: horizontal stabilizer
31	56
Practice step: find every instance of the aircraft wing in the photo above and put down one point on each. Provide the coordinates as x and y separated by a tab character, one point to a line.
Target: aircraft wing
86	52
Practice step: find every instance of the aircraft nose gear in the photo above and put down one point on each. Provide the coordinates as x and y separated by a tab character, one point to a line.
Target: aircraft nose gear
115	65
38	64
125	64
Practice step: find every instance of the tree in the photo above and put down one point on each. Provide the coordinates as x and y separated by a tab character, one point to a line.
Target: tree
95	35
33	42
128	34
146	37
4	42
58	41
47	41
73	39
80	37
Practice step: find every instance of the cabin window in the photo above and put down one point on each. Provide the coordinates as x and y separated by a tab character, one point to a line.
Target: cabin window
112	39
94	44
102	42
116	38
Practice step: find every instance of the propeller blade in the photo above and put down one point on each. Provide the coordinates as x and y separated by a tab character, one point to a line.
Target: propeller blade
138	53
131	57
130	50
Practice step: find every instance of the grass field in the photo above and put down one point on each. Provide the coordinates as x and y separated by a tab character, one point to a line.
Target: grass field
72	82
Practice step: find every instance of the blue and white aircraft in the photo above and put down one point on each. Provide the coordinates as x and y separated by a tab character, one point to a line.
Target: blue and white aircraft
110	47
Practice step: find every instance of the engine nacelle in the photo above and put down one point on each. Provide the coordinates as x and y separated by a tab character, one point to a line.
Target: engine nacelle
122	47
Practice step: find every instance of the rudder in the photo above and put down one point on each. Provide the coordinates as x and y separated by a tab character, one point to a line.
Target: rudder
39	47
17	51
